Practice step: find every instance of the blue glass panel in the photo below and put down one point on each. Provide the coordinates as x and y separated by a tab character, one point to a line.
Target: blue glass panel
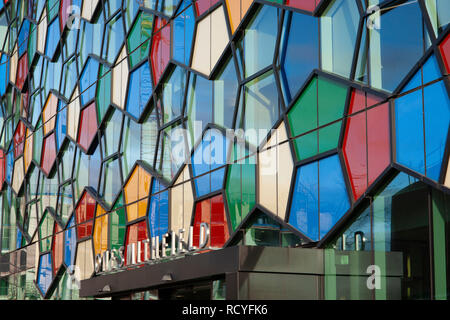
18	239
139	90
431	70
158	211
333	195
9	162
183	33
112	42
199	104
210	154
70	243
401	36
203	185
415	82
409	131
45	275
23	37
217	179
4	73
53	36
61	124
304	214
257	48
299	53
437	121
88	79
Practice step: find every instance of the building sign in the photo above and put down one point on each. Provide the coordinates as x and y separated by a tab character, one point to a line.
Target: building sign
152	250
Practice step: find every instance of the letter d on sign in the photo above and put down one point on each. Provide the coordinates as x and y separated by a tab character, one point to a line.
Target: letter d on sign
373	282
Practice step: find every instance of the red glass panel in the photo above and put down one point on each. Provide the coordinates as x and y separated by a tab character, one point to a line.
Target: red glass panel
219	225
57	248
445	51
308	5
135	233
355	153
22	71
378	139
48	153
85	212
372	100
357	102
203	5
63	13
211	211
19	139
160	54
2	168
88	126
24	104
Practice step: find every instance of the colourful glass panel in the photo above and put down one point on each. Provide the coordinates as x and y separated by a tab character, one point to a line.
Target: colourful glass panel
84	214
212	212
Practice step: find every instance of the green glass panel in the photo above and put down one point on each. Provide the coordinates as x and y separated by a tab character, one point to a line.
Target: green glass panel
45	232
103	92
118	225
241	185
329	137
52	9
37	142
306	146
303	115
441	244
331	102
138	39
65	205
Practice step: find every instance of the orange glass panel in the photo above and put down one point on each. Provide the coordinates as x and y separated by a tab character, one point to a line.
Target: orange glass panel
101	231
137	188
49	113
57	248
236	11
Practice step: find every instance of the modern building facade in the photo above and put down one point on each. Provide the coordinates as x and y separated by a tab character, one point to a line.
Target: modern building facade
225	149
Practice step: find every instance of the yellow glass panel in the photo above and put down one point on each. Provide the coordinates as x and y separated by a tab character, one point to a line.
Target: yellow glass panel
219	36
137	188
13	66
101	231
18	175
285	168
28	149
119	80
201	60
49	113
275	172
84	260
268	179
182	201
42	32
73	115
